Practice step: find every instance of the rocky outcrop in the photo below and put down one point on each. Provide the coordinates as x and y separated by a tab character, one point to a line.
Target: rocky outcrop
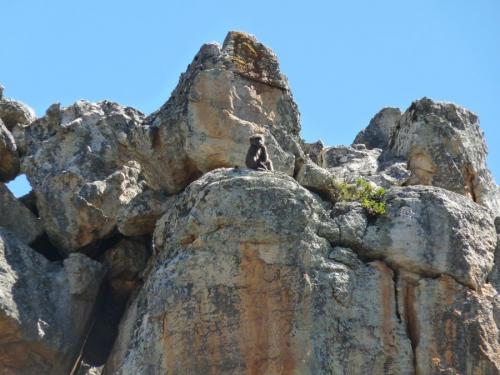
202	266
313	150
17	218
406	235
444	147
81	170
15	113
44	308
378	133
226	95
350	163
9	158
270	300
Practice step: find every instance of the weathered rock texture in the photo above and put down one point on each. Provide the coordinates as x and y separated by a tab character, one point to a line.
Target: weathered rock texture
9	158
17	218
226	95
201	266
242	283
44	308
378	133
444	146
81	171
416	217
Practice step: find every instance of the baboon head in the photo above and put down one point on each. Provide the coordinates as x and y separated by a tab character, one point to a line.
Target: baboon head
257	140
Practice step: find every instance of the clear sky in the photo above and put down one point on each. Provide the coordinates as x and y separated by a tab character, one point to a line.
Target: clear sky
345	60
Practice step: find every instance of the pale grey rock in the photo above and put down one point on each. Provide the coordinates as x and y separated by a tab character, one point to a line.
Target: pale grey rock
347	164
445	147
453	328
80	171
17	218
226	95
379	131
431	231
313	150
345	256
9	157
316	179
15	113
44	314
494	277
242	283
139	216
352	222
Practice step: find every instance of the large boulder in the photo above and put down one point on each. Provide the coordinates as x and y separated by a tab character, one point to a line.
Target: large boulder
140	215
431	231
244	281
378	133
45	308
81	169
14	112
9	157
454	330
445	147
226	95
17	218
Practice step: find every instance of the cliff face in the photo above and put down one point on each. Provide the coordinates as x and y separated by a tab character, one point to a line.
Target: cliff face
147	247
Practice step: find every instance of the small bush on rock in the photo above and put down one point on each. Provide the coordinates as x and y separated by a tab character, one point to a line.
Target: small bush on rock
362	191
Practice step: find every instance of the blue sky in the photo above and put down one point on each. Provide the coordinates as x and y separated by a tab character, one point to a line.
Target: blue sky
344	60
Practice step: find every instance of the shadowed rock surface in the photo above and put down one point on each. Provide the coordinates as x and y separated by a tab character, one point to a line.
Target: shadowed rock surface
44	308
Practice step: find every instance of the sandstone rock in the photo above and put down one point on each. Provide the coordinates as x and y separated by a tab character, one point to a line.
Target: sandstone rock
17	218
81	171
44	308
226	95
379	131
444	147
431	231
453	329
350	163
140	215
242	283
9	158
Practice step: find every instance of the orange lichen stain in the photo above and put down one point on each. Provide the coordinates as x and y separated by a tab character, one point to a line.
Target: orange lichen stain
267	313
387	289
196	341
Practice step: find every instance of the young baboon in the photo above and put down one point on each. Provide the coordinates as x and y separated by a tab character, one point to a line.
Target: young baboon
257	157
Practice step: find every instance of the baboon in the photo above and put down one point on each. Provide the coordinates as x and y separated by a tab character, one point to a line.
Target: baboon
257	157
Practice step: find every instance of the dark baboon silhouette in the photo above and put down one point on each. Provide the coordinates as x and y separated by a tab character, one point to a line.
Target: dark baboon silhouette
257	157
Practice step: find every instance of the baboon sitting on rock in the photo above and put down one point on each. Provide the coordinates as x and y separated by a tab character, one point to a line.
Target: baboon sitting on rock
257	157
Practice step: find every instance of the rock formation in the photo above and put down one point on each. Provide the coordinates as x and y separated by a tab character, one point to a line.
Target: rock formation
146	247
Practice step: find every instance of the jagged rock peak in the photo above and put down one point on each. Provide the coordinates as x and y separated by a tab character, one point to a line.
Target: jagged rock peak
445	147
226	95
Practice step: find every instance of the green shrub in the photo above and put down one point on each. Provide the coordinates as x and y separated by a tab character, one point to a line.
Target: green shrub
371	199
